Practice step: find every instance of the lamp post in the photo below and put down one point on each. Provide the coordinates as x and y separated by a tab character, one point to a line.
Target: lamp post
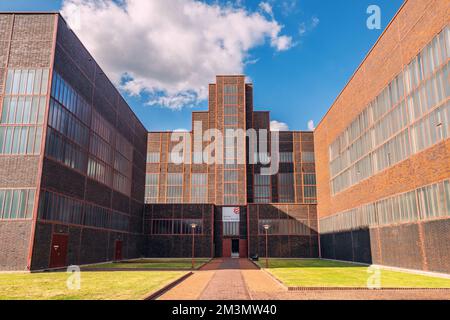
193	226
266	228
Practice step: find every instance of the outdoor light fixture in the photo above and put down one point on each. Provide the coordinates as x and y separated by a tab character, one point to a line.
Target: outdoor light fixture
193	226
266	228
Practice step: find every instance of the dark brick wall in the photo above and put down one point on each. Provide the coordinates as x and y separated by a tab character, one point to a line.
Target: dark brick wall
179	245
283	246
421	246
89	245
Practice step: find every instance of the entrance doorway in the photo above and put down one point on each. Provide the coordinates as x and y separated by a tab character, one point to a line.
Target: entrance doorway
58	254
235	248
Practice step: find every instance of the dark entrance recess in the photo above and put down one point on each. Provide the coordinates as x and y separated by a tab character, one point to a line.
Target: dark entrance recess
235	246
118	250
59	250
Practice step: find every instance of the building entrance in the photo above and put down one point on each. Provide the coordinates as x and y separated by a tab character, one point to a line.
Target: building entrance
235	248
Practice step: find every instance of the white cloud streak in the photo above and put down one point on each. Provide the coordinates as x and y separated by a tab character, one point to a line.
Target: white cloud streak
311	125
278	126
170	50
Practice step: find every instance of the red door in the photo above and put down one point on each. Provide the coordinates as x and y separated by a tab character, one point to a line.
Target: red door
118	250
226	248
58	254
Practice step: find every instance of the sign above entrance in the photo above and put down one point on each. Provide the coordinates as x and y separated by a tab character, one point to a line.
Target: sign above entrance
230	213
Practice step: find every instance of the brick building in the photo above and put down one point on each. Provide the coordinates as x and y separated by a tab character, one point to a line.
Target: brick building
72	153
82	181
230	200
383	149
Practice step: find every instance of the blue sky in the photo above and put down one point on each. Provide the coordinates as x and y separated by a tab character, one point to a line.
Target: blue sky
296	85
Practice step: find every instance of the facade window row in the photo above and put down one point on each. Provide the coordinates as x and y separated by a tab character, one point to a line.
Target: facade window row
284	227
175	226
58	208
410	114
425	203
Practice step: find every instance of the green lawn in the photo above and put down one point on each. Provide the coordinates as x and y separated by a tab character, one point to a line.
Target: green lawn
94	285
324	273
182	264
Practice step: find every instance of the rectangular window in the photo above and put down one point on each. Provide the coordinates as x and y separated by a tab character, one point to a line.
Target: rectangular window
20	140
16	204
307	156
176	226
284	227
199	187
286	187
153	157
151	187
262	188
174	187
286	157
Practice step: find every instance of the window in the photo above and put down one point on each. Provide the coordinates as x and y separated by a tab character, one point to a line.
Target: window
230	228
63	121
176	226
54	207
425	203
151	187
64	151
20	140
286	157
199	187
284	227
262	188
153	157
174	187
101	149
27	82
99	171
124	147
286	187
96	216
414	101
307	156
23	110
230	89
16	203
63	93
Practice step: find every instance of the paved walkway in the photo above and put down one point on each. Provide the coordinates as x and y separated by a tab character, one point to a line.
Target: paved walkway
240	279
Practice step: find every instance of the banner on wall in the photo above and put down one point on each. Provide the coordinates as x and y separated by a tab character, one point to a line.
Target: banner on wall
230	213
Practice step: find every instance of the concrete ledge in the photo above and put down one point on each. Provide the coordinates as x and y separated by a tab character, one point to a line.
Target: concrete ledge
364	288
166	288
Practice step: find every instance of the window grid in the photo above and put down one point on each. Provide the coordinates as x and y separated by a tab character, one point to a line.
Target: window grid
422	204
422	88
175	226
284	227
16	204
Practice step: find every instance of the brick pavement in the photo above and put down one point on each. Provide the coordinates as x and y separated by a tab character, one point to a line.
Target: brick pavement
239	279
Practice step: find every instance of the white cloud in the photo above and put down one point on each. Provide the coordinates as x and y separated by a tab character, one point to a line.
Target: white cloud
305	27
267	8
278	126
311	125
315	22
181	130
170	50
